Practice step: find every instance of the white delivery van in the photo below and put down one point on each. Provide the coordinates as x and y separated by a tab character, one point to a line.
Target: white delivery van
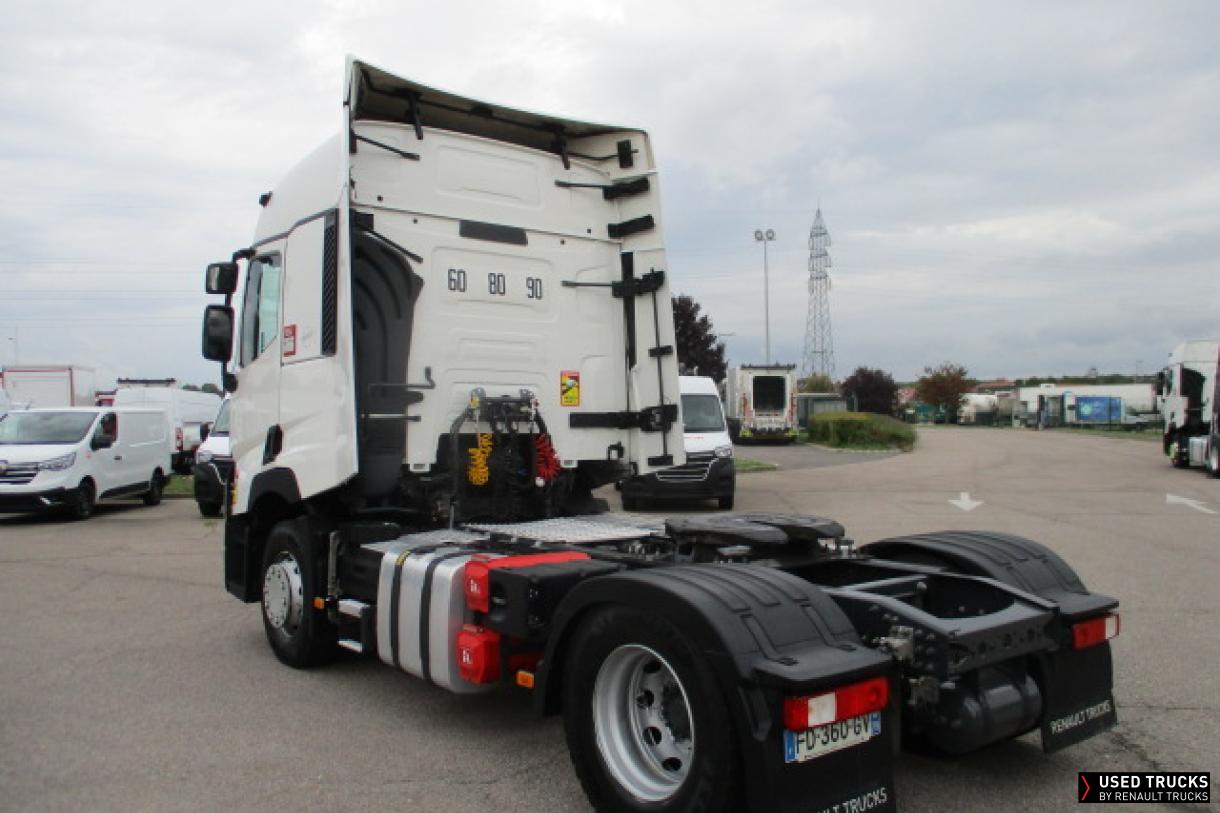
761	401
188	411
70	458
213	464
709	472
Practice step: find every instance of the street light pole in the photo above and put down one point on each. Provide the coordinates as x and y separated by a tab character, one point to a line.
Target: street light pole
765	237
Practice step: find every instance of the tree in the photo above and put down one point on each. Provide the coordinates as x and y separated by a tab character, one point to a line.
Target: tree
697	347
191	387
944	387
818	383
871	390
212	388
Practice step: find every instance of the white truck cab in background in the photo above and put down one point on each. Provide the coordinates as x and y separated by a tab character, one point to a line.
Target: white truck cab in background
709	471
1187	392
70	458
188	411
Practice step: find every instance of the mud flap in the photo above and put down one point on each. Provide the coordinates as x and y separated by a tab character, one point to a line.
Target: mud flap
1076	688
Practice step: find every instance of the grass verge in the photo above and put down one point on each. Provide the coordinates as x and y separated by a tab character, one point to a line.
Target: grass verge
860	430
745	465
180	485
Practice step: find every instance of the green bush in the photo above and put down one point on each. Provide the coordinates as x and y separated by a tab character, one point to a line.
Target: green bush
860	430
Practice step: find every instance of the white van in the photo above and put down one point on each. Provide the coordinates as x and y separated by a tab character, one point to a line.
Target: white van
709	472
70	458
213	464
188	411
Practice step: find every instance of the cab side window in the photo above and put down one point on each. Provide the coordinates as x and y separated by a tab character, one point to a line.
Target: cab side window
108	425
260	312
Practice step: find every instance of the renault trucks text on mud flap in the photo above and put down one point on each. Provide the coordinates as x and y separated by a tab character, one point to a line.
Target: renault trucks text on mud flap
454	324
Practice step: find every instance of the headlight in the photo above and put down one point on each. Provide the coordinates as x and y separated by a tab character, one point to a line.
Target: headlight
724	451
203	457
58	463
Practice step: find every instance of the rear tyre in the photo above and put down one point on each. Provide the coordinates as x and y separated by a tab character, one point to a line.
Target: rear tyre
300	635
631	503
646	724
1177	451
210	509
155	487
1213	460
725	503
83	501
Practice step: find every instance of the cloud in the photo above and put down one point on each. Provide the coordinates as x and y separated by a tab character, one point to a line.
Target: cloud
1023	189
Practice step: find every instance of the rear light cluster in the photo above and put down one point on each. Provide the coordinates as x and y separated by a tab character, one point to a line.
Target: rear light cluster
1095	631
843	703
178	439
478	649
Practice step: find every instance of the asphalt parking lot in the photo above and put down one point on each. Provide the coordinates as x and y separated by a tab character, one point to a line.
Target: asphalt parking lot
130	680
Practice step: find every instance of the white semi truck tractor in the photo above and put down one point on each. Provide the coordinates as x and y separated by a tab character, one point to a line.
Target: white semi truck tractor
1187	393
453	324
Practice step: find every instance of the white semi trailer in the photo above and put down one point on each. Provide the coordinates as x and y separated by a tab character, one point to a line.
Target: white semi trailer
1188	390
455	324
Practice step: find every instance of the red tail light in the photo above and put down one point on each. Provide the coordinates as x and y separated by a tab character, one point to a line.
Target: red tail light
1095	631
178	438
478	654
843	703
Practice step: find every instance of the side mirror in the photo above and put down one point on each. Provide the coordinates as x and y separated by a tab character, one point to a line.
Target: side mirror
204	430
102	441
221	278
1160	383
218	333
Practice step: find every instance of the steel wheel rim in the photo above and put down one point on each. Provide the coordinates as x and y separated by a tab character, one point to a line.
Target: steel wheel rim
642	722
284	594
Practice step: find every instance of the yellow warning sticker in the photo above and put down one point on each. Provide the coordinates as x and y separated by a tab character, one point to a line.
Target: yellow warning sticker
569	388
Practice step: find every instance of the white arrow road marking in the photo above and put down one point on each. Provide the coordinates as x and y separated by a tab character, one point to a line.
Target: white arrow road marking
965	503
1173	499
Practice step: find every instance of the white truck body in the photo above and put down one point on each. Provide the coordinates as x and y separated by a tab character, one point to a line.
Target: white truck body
452	260
49	456
1188	388
49	385
760	400
188	411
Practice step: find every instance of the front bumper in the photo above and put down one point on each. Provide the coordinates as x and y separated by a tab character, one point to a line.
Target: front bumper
25	501
698	479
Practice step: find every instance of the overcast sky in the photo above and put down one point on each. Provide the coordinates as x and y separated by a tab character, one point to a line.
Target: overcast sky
1023	188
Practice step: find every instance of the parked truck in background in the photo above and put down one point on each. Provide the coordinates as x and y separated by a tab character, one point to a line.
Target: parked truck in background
49	385
760	400
1187	392
454	324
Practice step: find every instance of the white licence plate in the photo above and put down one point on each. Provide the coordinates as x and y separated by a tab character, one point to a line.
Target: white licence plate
800	746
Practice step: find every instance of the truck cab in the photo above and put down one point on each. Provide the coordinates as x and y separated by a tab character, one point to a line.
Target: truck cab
1186	392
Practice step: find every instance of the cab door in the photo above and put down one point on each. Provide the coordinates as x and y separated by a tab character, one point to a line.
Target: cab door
108	464
257	436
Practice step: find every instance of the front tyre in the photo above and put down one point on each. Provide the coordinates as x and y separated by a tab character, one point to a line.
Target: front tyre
647	727
300	635
83	500
1213	459
155	486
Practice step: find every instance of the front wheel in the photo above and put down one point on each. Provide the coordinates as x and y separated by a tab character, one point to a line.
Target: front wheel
1213	460
210	509
300	635
83	501
647	727
725	503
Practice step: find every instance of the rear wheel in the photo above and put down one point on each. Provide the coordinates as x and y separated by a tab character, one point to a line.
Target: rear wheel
1213	460
299	634
155	487
210	509
632	503
1177	450
725	503
83	501
647	727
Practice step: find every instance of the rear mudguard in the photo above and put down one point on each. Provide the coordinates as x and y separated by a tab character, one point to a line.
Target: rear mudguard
766	635
1076	685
